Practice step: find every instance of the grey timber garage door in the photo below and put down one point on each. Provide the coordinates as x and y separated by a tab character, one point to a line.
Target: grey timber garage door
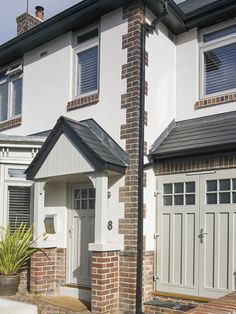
196	233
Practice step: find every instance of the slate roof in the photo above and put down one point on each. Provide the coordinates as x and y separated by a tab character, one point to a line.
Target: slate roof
90	139
211	134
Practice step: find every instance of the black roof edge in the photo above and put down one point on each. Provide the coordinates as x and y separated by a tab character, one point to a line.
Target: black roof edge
202	151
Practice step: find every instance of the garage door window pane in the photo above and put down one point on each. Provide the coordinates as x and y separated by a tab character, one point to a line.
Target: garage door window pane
190	187
234	184
211	198
211	185
167	200
179	187
234	197
179	200
225	198
225	185
168	188
190	199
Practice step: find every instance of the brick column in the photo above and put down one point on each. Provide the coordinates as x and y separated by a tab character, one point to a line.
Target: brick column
105	282
47	271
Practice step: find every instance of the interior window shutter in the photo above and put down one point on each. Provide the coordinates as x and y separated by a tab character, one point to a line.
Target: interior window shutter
88	70
17	97
19	206
3	101
220	69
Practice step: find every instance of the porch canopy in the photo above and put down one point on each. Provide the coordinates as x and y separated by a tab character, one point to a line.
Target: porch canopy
79	150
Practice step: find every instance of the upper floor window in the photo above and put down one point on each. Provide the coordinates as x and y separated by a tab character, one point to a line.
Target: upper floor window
218	61
86	63
10	91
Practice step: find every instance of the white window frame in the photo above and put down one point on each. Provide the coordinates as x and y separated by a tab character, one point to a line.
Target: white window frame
83	47
213	44
18	74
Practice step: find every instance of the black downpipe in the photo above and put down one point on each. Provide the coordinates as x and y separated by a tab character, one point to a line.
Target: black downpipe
145	30
139	286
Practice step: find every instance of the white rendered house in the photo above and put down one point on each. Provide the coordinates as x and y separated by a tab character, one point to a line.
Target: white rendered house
74	82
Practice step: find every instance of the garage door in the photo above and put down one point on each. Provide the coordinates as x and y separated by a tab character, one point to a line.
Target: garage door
196	232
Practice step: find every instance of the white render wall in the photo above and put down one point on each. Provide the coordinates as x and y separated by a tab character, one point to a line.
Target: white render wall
48	84
160	105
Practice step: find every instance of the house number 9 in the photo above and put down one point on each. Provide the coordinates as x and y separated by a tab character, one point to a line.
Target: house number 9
110	225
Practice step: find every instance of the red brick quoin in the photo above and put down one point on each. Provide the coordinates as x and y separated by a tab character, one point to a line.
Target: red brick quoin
105	282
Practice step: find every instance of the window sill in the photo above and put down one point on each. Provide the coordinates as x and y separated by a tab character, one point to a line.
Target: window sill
10	123
216	100
83	101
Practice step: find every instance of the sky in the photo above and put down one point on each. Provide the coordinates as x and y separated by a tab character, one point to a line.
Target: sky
10	9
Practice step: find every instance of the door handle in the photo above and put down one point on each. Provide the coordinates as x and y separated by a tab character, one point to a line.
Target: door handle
70	232
202	234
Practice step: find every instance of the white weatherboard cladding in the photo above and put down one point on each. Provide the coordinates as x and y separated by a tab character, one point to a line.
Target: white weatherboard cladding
63	159
188	79
160	105
48	82
196	246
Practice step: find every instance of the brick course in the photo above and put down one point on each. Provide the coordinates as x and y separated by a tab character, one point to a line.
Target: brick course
83	101
216	100
191	164
105	282
47	273
10	123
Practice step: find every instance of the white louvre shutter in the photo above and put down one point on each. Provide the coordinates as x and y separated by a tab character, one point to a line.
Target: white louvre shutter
17	97
19	206
88	70
220	68
3	101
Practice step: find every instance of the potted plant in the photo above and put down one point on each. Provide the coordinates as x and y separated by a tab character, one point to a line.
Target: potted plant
16	248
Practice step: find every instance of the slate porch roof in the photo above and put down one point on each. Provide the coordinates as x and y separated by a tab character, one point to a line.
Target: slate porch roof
90	139
211	134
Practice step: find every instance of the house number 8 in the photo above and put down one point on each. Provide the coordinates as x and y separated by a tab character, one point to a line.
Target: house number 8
110	225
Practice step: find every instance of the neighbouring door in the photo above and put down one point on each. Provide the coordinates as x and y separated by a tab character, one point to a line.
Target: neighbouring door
80	234
196	225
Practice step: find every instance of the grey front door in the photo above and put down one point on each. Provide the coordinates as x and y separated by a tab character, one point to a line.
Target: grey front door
81	233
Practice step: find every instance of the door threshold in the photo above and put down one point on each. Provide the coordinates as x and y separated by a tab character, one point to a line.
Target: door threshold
72	285
181	296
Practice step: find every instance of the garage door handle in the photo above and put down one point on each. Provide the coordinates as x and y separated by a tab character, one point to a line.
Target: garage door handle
202	234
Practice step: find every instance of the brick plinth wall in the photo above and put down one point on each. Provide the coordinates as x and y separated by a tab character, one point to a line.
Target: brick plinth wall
105	282
47	273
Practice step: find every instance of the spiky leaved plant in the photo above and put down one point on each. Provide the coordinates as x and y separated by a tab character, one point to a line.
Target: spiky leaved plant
16	248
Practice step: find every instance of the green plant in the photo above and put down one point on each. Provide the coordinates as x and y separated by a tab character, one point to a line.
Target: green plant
16	248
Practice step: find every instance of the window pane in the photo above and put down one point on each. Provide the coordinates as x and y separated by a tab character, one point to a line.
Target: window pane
77	204
225	185
19	206
168	188
220	67
220	33
3	102
179	187
88	70
234	184
211	198
190	187
211	185
225	198
84	193
17	97
179	199
84	204
234	197
92	204
167	200
190	199
91	193
77	194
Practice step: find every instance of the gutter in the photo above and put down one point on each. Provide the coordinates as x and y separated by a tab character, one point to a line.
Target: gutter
145	31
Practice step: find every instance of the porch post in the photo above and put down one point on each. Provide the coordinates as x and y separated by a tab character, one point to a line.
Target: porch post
39	196
101	185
